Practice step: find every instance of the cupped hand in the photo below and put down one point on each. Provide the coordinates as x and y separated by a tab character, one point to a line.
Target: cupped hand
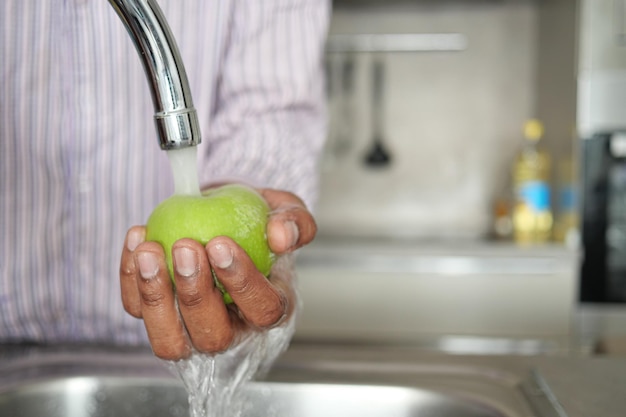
194	316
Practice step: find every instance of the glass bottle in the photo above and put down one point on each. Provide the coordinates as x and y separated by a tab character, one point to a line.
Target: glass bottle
532	214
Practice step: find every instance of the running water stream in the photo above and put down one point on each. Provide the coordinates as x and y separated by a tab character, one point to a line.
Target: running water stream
214	382
184	164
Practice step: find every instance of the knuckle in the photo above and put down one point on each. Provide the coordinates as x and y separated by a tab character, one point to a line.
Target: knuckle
170	350
152	298
190	299
309	228
220	342
270	318
241	287
272	314
127	270
131	308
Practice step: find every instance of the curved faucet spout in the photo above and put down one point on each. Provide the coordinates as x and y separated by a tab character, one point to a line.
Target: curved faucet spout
176	119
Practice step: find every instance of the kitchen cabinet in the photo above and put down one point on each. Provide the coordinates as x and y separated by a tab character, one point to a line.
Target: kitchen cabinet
474	296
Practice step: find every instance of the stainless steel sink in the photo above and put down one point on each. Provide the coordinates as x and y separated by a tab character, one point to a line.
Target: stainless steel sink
121	397
125	384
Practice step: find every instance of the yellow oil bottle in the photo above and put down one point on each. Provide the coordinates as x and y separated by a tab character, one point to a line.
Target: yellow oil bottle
532	214
566	219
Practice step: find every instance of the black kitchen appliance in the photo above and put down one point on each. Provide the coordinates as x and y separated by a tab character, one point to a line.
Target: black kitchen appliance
603	272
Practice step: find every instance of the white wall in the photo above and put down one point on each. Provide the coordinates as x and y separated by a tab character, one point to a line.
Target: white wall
452	123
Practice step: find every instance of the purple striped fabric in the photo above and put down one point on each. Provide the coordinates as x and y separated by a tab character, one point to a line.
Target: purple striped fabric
79	161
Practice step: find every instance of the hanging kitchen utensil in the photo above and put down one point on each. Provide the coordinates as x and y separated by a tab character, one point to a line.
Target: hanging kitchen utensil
377	156
329	156
346	125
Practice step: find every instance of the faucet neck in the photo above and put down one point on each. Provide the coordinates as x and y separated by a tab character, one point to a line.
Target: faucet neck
176	118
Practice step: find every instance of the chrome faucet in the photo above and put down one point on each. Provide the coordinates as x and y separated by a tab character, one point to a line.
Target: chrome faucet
176	119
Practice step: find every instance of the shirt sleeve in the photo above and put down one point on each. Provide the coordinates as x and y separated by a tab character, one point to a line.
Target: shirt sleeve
268	121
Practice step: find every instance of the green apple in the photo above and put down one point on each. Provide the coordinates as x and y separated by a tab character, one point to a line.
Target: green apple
233	210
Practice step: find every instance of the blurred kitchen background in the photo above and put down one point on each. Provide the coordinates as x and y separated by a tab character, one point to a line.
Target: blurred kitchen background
428	102
452	113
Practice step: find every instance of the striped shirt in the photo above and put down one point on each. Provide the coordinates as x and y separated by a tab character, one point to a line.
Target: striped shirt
79	160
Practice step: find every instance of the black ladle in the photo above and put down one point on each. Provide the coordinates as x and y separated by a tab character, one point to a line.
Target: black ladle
377	156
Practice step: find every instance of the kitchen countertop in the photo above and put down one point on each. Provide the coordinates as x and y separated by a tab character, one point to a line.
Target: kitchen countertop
585	386
329	246
389	290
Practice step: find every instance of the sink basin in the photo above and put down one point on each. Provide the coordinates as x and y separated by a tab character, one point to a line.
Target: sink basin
125	384
136	397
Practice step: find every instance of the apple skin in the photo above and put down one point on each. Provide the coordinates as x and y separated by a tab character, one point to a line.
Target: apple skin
233	210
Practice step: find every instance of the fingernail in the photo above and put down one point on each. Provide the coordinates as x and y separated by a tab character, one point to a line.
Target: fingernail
221	256
186	262
292	233
148	265
135	237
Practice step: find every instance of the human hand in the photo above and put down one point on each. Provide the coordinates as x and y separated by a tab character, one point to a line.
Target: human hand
194	316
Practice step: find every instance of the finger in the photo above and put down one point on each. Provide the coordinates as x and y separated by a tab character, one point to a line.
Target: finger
158	307
200	302
128	272
261	304
290	225
277	198
282	280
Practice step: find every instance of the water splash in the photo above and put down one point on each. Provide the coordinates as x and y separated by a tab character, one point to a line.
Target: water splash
214	382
